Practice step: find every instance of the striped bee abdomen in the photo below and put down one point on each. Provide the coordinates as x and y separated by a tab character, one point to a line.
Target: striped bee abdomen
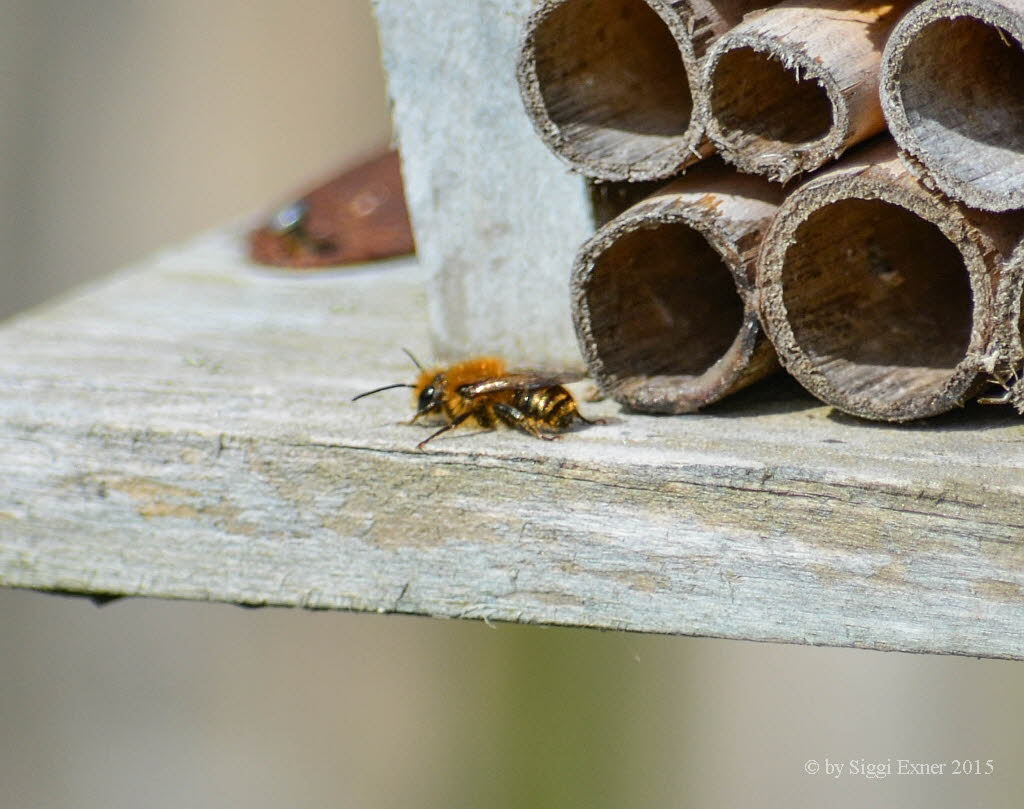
553	406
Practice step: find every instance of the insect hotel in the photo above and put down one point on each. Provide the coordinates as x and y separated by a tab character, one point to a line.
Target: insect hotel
783	242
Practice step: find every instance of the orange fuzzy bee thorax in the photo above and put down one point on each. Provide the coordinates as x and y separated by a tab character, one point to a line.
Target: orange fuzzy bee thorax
463	373
435	391
474	370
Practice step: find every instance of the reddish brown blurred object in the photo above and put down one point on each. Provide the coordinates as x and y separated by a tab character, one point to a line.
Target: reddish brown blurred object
359	215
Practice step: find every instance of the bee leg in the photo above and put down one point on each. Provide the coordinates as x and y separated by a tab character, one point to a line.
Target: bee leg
585	420
516	418
451	425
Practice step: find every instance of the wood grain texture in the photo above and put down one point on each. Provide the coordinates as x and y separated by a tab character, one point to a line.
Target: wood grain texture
952	95
185	431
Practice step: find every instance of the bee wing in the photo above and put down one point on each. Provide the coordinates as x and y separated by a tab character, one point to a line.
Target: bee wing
520	380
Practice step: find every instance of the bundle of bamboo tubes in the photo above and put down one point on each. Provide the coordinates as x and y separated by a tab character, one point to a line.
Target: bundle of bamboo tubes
888	280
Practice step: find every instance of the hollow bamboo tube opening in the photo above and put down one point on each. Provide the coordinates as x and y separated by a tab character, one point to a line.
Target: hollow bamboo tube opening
877	294
953	93
761	107
791	88
663	297
878	299
609	86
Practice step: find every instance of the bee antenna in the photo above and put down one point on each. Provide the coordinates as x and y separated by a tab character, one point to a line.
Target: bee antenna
386	387
415	361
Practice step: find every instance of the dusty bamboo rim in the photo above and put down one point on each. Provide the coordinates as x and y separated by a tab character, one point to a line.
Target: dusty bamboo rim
791	88
663	296
953	93
610	86
877	293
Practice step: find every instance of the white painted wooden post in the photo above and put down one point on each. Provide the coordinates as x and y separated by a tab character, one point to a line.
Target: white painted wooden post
498	219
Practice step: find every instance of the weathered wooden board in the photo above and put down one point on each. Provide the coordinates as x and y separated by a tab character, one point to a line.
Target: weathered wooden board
185	431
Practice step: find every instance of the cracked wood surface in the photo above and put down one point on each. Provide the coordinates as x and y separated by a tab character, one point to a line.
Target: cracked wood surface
184	430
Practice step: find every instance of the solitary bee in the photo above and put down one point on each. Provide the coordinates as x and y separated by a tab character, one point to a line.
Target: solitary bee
481	391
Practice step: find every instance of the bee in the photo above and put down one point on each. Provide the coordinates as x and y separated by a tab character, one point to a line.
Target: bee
481	391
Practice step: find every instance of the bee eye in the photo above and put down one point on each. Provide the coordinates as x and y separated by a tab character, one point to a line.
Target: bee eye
428	399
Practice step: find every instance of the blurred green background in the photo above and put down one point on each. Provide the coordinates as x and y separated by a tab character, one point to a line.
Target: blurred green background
129	126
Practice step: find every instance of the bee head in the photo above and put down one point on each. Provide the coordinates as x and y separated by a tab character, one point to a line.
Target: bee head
428	393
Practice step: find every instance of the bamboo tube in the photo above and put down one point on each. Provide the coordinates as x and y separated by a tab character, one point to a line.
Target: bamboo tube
878	293
610	84
1008	339
663	295
952	85
793	87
